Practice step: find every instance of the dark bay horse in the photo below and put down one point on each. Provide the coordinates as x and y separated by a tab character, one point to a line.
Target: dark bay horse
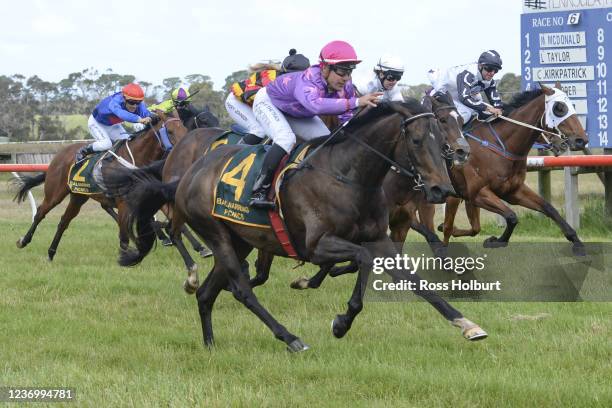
328	217
491	176
144	148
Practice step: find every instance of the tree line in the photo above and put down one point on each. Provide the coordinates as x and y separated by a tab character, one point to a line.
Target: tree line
35	109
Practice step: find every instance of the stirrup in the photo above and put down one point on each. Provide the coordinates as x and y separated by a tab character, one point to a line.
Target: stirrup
259	199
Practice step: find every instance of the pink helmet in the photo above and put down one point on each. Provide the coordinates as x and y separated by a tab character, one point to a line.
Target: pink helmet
339	52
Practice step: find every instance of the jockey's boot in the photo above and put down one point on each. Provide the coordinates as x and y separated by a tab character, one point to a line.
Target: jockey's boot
250	139
84	151
259	196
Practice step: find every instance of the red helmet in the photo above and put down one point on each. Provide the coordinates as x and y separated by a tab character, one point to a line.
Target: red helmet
339	52
133	91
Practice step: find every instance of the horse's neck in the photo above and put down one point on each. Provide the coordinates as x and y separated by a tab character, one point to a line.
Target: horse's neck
519	139
358	163
143	148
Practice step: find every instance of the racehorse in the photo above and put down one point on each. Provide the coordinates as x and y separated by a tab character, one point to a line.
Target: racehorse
330	207
144	148
497	165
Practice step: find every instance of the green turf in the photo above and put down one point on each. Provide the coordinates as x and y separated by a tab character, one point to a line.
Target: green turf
131	337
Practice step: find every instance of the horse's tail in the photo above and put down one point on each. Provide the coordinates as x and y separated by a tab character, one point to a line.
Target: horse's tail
25	183
144	201
120	181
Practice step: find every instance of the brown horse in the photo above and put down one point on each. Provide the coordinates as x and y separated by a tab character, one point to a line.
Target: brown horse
144	149
496	172
330	208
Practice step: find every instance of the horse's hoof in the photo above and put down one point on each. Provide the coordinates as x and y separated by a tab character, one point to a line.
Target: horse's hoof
20	243
205	252
440	251
475	334
167	242
340	326
209	343
297	345
441	227
300	283
190	288
494	242
470	330
578	249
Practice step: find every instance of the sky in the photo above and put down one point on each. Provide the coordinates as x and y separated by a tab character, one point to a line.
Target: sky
157	39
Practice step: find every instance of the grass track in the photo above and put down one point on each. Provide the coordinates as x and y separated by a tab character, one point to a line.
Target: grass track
131	337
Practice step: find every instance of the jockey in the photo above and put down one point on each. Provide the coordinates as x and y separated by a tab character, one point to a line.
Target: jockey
105	121
292	102
387	72
179	100
465	83
239	102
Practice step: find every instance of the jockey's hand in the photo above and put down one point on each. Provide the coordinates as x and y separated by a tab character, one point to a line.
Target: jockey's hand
154	119
144	121
370	99
494	111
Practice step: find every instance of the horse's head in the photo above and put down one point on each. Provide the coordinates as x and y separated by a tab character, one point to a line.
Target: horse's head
203	119
559	114
173	125
454	145
419	148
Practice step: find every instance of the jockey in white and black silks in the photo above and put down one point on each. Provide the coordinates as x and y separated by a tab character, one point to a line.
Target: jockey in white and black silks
465	82
291	104
239	102
387	73
105	121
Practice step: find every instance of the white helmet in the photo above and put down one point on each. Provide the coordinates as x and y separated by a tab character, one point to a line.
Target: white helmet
389	63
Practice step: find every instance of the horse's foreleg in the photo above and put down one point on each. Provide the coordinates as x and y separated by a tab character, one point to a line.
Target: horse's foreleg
72	210
450	211
262	268
49	202
528	198
400	219
489	201
330	250
122	215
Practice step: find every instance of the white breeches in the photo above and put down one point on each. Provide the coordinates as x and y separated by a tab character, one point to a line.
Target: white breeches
282	129
242	114
105	135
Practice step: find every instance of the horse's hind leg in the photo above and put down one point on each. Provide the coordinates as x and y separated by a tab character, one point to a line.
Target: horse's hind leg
177	225
528	198
52	199
110	211
228	255
72	210
195	244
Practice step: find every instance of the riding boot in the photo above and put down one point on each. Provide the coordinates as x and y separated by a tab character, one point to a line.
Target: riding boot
250	139
83	152
259	197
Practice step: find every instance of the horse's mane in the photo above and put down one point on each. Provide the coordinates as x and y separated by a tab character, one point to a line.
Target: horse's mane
520	100
384	109
263	66
381	110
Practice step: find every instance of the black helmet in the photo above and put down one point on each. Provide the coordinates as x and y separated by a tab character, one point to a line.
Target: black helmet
294	62
490	58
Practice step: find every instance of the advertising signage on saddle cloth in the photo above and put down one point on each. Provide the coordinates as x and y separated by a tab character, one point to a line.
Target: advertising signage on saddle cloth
566	41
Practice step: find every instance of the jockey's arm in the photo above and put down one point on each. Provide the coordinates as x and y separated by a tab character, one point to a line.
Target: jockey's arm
469	91
123	114
493	95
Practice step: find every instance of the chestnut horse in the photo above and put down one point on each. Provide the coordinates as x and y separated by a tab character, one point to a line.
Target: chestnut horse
144	148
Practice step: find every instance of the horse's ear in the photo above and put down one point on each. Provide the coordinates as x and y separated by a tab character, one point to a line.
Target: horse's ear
428	102
545	89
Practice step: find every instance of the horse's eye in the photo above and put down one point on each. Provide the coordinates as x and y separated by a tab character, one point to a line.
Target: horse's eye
559	109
